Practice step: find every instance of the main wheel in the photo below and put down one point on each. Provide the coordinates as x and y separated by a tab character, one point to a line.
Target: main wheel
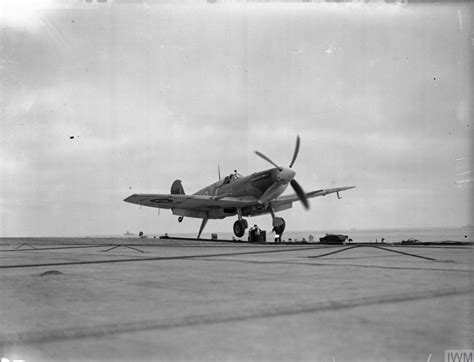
239	228
280	228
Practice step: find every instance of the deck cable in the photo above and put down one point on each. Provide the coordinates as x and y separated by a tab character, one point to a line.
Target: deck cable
372	246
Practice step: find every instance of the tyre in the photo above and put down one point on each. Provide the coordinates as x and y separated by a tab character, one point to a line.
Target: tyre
279	229
239	228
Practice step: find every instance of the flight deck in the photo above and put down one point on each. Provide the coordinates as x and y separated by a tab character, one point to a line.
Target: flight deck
112	299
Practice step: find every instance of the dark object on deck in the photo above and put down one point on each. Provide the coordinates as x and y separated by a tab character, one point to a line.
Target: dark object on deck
333	239
50	272
257	237
214	236
410	241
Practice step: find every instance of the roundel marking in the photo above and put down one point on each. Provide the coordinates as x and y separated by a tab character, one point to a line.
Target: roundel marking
161	201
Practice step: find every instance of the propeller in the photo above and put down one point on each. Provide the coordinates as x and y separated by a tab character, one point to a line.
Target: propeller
295	153
267	159
301	194
294	184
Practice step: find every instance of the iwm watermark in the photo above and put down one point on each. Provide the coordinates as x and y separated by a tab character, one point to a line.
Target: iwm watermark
458	355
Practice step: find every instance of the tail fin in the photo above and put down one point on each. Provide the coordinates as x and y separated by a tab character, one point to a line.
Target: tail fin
177	188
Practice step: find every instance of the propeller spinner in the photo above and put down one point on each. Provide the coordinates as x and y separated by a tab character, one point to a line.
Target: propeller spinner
290	174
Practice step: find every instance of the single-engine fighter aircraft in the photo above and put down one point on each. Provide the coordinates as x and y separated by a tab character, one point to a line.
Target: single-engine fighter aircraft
256	194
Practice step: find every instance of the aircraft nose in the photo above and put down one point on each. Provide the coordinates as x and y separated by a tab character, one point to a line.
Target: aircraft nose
285	174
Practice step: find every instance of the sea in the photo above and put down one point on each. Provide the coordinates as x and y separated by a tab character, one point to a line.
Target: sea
438	234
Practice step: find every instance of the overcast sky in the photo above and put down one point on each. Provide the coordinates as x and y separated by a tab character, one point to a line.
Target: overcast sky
380	96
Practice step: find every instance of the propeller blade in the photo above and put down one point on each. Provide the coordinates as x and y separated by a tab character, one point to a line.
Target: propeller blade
297	149
301	194
266	159
272	192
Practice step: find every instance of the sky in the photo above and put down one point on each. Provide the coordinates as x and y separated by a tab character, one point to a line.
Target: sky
100	101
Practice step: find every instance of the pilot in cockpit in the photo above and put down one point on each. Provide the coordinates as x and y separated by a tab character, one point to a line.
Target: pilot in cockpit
232	177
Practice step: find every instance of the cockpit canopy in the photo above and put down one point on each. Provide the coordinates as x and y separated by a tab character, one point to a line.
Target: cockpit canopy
229	179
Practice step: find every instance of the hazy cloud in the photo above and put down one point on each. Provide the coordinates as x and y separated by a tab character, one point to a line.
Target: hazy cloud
164	92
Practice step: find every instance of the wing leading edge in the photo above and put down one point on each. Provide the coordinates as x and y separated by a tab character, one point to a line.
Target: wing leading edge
322	192
191	202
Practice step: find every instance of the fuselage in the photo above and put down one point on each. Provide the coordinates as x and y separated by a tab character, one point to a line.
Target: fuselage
254	185
262	186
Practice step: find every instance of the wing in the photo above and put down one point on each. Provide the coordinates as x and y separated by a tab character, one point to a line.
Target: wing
190	202
322	192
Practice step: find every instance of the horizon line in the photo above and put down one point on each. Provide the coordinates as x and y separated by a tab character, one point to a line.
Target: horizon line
286	232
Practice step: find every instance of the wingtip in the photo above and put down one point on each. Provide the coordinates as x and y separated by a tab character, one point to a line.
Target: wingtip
129	198
347	188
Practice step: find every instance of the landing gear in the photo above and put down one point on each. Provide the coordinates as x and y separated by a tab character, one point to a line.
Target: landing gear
239	227
279	225
180	219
